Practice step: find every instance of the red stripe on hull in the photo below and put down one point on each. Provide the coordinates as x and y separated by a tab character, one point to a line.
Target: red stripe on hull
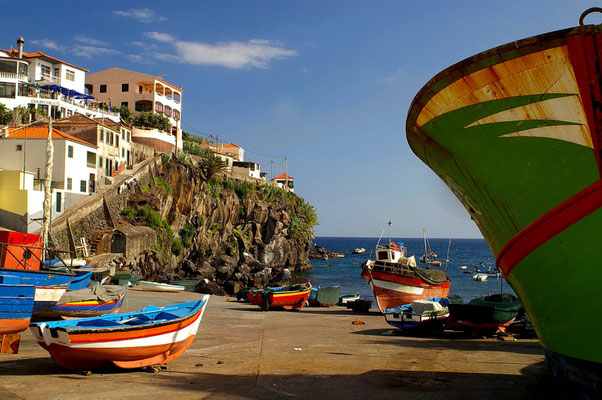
132	332
134	357
549	225
386	298
10	326
406	280
292	301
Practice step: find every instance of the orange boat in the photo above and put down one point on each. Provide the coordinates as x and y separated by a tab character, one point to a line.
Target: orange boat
132	340
289	297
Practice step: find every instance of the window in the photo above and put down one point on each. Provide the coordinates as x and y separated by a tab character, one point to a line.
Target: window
176	115
70	75
110	134
139	89
158	107
58	201
69	184
57	73
122	152
69	113
167	111
100	162
116	140
125	87
19	147
103	89
176	97
83	185
7	90
70	151
101	135
45	69
23	68
124	104
91	160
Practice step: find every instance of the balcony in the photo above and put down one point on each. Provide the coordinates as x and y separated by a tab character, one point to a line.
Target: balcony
12	75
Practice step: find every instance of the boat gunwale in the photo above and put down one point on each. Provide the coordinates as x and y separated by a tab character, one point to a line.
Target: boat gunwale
496	55
125	328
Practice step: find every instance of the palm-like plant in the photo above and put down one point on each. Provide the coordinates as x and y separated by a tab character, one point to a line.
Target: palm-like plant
212	165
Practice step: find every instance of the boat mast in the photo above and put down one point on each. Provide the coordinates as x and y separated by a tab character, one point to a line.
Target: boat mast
47	189
426	254
447	257
390	233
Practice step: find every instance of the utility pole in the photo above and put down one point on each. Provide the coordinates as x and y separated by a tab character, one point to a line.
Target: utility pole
285	173
47	187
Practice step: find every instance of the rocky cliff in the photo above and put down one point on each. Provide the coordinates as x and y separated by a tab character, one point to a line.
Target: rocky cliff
230	234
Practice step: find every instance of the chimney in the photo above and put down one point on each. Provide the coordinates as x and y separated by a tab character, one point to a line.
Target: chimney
20	43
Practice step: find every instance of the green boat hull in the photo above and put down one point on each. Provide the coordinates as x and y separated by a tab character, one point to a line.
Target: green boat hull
513	133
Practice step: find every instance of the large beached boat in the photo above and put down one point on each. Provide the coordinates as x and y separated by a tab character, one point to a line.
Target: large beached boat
516	134
396	280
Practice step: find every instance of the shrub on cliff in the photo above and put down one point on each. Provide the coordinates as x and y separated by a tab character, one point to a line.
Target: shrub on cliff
152	120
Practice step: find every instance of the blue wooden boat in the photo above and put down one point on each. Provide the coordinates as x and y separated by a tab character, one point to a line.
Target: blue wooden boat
90	301
419	315
50	286
131	340
16	305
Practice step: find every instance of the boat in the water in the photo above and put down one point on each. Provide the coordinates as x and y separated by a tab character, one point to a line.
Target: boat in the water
429	255
160	287
480	276
359	250
396	280
16	305
516	134
419	315
326	296
88	302
131	340
292	297
493	312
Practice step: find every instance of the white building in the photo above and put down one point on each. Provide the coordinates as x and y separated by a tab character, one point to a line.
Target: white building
37	80
246	169
141	93
74	162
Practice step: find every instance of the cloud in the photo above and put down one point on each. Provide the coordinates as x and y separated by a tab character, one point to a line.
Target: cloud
91	51
397	76
90	41
48	44
255	53
141	14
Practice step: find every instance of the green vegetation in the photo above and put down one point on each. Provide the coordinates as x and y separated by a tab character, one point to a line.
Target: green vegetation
162	184
124	113
165	158
193	138
214	187
244	189
152	120
187	233
5	115
303	219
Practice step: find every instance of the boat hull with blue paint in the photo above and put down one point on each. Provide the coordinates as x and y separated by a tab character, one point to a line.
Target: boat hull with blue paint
16	306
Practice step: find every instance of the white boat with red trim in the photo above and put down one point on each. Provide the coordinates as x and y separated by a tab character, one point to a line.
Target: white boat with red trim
131	340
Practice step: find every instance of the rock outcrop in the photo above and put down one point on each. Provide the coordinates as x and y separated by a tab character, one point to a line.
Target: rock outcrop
229	234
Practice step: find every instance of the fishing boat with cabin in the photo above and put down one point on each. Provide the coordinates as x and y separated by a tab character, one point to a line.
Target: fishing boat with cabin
516	134
396	280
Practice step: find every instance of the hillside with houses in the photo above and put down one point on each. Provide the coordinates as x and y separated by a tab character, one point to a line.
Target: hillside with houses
107	126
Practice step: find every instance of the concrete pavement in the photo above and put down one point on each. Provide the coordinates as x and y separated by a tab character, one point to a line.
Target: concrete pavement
241	352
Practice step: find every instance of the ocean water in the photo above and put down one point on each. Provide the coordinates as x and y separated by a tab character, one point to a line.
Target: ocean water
345	272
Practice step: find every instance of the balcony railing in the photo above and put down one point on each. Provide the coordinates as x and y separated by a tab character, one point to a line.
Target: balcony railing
54	79
12	75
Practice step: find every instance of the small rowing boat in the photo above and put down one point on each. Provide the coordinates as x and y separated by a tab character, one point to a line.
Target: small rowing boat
160	287
132	340
292	297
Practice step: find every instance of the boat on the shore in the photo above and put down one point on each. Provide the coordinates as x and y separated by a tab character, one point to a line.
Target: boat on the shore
324	296
292	297
493	312
160	287
396	280
88	302
515	133
345	298
420	315
16	305
131	340
49	286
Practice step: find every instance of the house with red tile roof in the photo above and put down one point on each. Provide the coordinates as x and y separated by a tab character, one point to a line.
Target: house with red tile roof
235	151
284	181
74	162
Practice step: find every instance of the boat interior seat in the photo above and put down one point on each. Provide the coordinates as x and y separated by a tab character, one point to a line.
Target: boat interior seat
97	322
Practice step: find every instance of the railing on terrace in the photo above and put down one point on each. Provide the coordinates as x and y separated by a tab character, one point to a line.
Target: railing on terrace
12	75
69	100
393	268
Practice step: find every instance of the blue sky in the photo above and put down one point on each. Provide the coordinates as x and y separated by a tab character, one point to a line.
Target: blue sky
326	83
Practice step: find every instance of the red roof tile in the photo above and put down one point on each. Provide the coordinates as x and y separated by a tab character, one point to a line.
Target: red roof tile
41	132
